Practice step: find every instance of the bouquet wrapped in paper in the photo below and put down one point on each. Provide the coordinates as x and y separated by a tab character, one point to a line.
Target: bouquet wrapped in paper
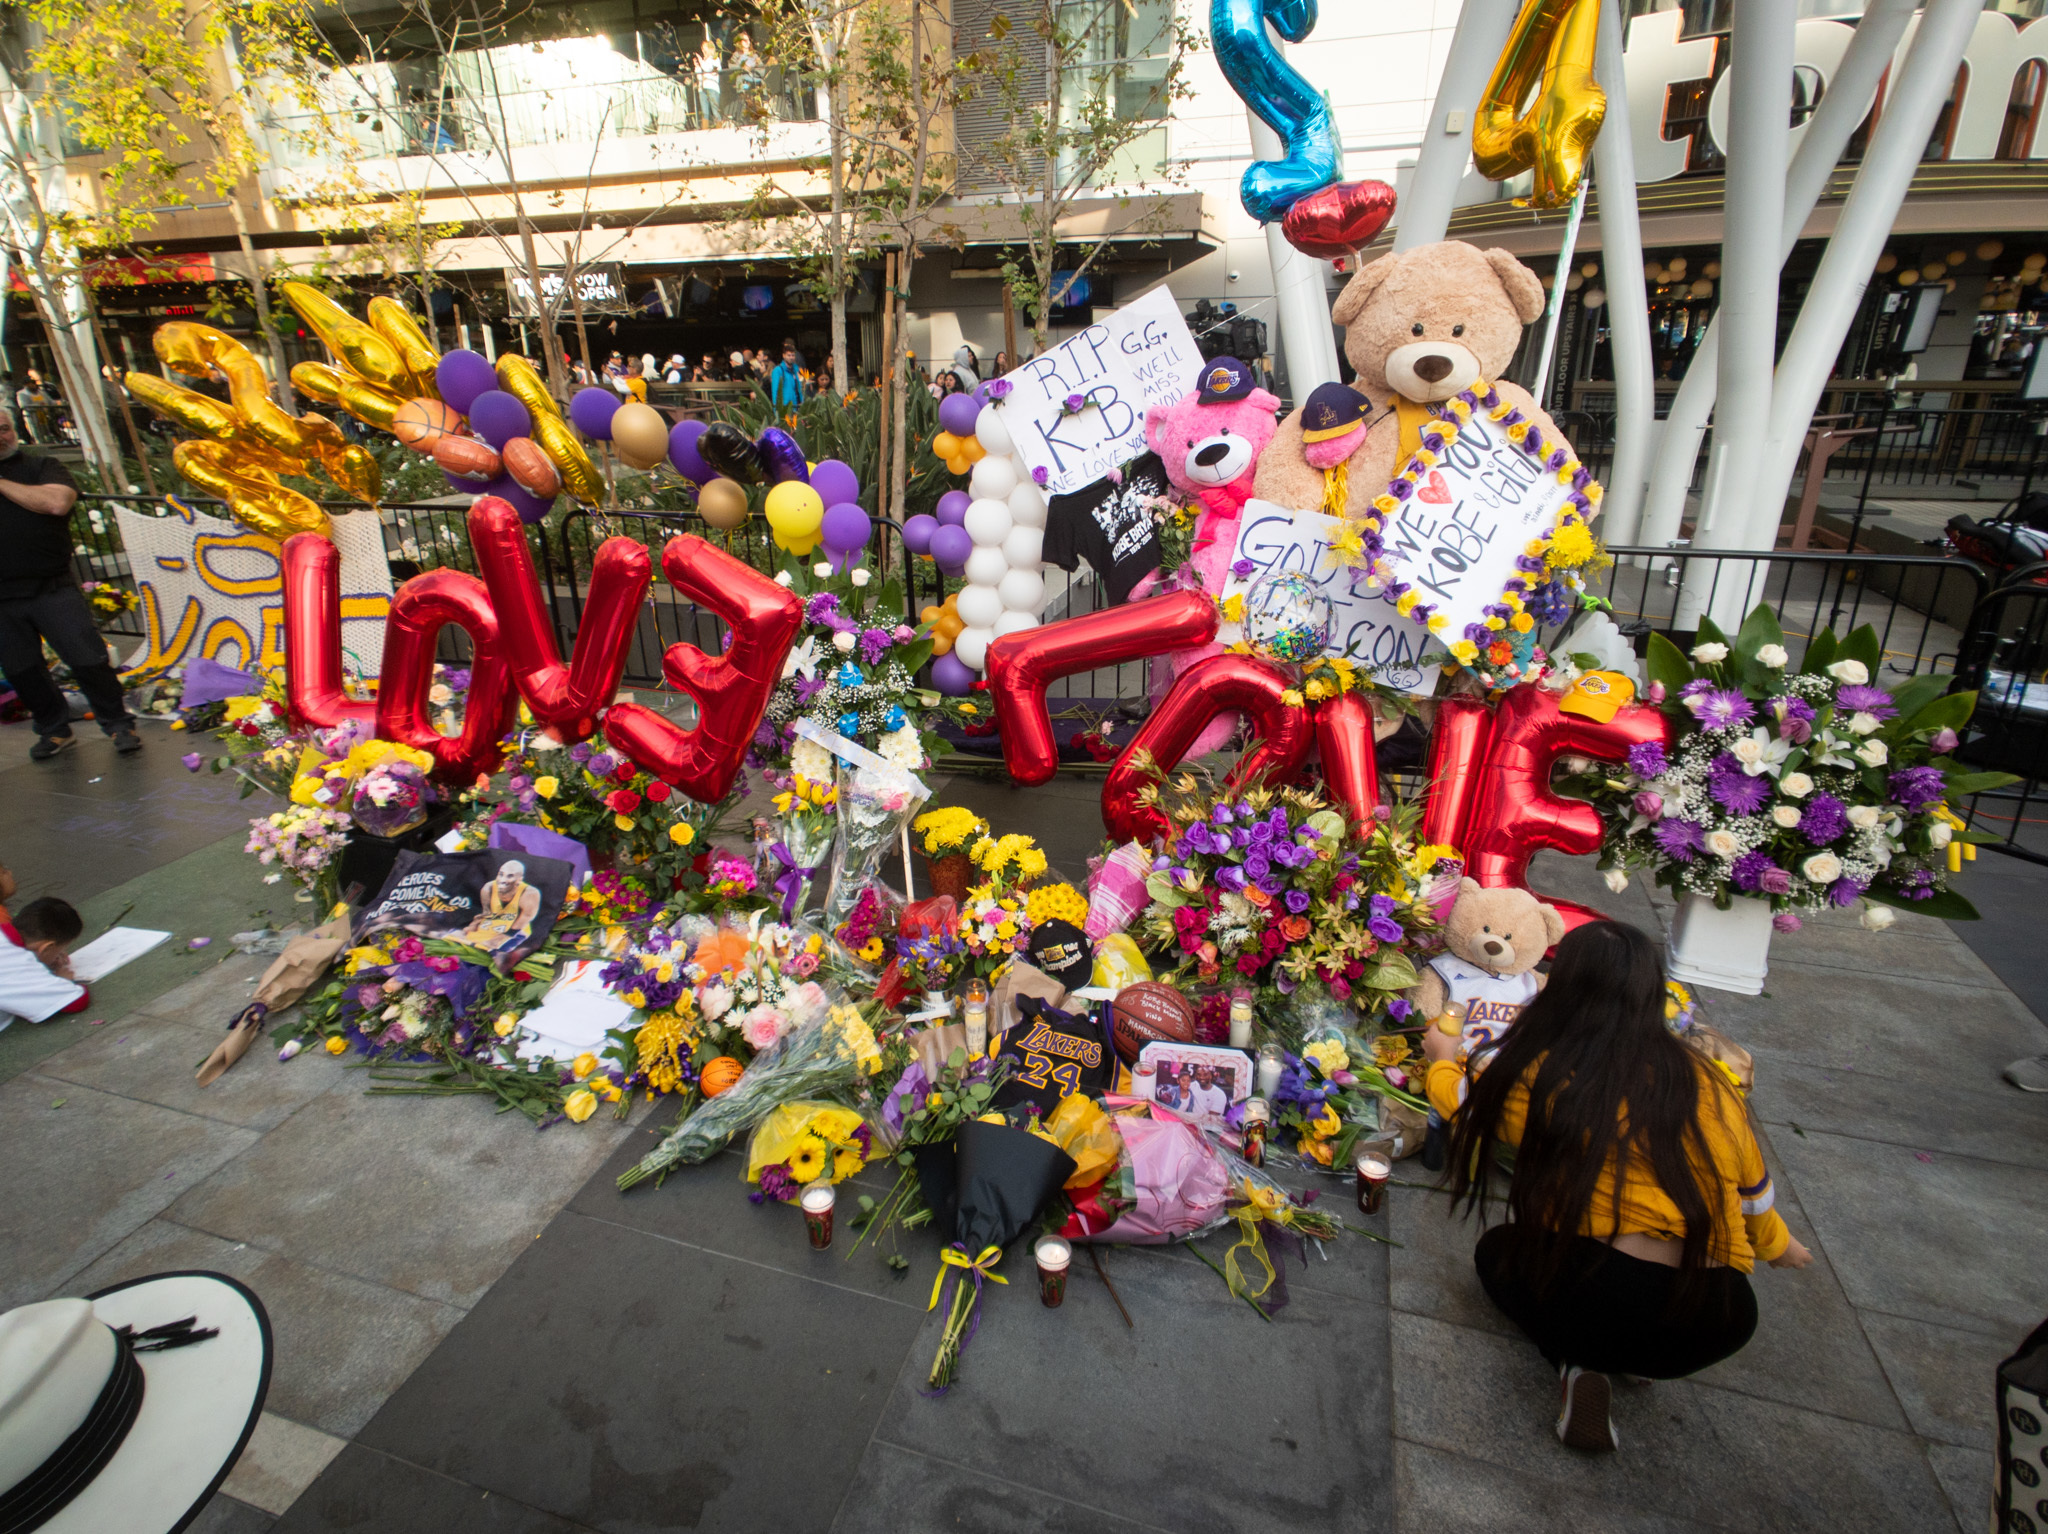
875	803
1116	890
829	1050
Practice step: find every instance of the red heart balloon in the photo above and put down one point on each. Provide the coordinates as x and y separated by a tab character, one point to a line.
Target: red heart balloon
1339	219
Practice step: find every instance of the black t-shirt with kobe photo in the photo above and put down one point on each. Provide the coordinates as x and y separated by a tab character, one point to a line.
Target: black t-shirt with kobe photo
38	547
1111	525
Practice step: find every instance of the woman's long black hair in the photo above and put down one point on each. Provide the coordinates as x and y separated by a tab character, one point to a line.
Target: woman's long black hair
1606	1078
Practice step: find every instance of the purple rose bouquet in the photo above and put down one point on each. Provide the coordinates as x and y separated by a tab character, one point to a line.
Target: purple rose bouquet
1809	788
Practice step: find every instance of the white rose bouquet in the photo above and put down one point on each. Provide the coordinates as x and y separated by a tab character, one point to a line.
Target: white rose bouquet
1808	788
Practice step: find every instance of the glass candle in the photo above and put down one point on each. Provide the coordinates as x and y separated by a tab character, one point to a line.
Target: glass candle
974	1012
817	1200
1241	1019
1272	1061
1053	1255
1373	1172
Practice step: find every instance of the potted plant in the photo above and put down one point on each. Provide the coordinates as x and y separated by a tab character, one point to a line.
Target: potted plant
944	837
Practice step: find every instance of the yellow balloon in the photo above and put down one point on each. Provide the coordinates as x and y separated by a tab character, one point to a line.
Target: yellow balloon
369	354
1549	54
390	319
722	503
945	445
795	512
199	351
190	409
332	386
941	644
972	450
959	463
558	440
640	433
257	501
349	466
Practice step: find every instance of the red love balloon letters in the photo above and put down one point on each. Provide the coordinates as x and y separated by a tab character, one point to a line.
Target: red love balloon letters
731	691
1340	219
1350	768
566	699
1513	812
1199	694
312	636
1457	746
423	607
1021	666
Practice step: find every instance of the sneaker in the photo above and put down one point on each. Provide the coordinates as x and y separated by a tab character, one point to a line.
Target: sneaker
48	746
1583	1421
2030	1075
126	741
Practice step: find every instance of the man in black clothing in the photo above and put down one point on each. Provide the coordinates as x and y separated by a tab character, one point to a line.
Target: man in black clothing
40	599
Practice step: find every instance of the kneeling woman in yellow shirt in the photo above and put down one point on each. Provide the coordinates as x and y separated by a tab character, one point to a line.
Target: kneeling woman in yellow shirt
1639	1200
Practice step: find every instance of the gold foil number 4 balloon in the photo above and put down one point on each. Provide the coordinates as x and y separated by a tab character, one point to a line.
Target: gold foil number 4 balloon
1549	55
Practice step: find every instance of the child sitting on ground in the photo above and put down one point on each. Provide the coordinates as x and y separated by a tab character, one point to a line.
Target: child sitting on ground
27	988
49	927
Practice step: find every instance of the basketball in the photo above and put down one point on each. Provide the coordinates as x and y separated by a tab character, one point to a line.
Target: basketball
467	458
531	469
1148	1013
420	423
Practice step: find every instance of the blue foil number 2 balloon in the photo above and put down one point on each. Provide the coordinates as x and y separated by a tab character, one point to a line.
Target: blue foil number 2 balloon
1279	97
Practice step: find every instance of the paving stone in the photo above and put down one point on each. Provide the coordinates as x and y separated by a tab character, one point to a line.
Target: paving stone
636	1384
1967	1476
224	1515
1431	1272
1570	878
1167	1423
153	1060
1944	1378
1687	1450
343	1345
1440	1493
280	1460
1916	946
1946	1239
1987	1120
366	1491
214	997
81	1177
434	1196
2009	893
898	1490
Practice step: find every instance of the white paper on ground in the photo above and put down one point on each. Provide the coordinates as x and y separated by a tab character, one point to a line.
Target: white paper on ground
111	949
574	1016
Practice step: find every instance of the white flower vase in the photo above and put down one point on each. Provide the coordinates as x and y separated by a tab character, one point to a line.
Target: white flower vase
1729	950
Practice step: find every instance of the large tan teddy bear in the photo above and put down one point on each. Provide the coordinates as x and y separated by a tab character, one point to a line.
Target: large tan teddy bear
1419	327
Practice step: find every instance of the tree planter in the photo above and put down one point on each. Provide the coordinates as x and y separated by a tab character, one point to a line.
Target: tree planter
1729	950
950	875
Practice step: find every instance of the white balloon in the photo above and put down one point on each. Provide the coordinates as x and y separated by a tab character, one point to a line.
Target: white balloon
1015	623
980	606
987	521
986	567
992	434
971	645
1027	505
1022	591
994	475
1025	547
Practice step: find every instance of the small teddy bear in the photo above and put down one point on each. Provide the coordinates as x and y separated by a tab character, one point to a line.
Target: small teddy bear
1419	327
1493	940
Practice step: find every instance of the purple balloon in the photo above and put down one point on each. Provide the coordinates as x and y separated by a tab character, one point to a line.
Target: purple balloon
461	376
592	410
951	546
497	417
951	676
917	533
842	560
835	482
982	396
846	528
958	413
781	458
682	452
531	508
952	507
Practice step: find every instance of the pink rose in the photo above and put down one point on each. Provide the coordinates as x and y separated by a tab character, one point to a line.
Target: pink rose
1655	693
1650	805
1945	741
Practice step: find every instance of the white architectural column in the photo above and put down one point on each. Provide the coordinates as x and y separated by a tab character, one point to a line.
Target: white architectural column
1425	211
1843	106
1628	308
1918	92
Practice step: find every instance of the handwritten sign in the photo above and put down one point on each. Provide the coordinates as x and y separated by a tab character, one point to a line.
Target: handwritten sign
1457	537
1365	628
1140	356
213	588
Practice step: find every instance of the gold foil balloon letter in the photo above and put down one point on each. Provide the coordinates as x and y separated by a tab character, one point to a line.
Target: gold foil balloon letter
1549	55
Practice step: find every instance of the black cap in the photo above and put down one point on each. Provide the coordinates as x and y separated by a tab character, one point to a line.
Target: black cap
1332	410
1224	380
1061	950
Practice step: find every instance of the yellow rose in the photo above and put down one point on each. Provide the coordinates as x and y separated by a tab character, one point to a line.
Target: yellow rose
682	833
545	787
584	1065
337	1045
580	1105
505	1024
623	822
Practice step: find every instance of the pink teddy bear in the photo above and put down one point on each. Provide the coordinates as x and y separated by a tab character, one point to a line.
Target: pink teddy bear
1209	444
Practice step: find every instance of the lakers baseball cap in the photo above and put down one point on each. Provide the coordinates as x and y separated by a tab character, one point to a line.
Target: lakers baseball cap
1331	411
1224	381
1062	951
1599	695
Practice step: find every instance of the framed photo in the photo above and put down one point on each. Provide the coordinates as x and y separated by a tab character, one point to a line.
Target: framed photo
1199	1082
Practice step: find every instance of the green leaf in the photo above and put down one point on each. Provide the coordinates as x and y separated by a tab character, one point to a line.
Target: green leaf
1820	654
1963	784
1863	645
1710	633
1758	629
1950	712
1164	891
913	656
1916	692
1668	664
1944	905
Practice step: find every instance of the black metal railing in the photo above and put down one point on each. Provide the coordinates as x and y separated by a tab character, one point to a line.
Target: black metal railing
2006	662
1910	447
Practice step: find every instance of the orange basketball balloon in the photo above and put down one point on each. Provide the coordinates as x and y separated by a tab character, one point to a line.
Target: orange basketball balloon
530	468
420	423
467	458
718	1075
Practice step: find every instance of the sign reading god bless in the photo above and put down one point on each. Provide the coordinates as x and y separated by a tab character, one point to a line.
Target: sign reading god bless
1364	627
1140	356
213	588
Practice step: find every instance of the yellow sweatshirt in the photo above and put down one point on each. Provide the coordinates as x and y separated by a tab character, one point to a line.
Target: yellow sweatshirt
1747	1230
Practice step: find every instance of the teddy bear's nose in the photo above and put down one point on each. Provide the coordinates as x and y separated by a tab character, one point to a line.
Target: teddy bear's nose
1432	367
1494	946
1215	452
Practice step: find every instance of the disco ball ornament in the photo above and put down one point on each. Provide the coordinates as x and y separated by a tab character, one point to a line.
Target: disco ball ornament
1286	618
